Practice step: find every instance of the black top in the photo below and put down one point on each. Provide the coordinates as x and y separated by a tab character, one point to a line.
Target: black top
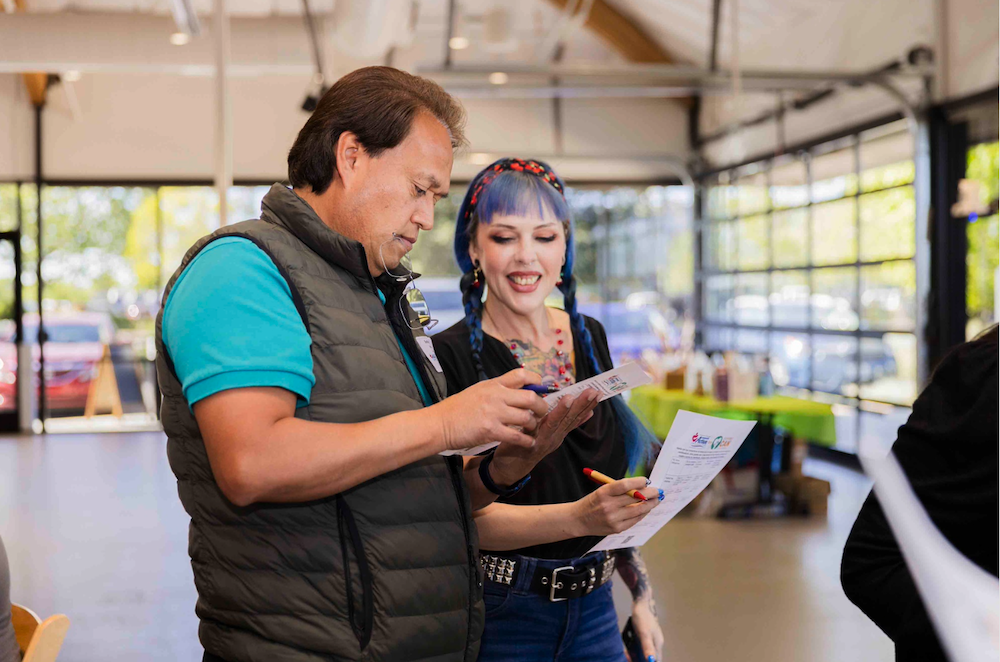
949	451
558	478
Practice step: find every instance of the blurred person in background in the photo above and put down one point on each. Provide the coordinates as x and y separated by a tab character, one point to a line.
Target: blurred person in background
546	597
949	451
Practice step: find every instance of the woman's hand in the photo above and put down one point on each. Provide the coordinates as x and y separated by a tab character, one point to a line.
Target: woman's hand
511	463
647	628
609	509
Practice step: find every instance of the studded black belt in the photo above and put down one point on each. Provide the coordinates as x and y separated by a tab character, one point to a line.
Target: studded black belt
556	580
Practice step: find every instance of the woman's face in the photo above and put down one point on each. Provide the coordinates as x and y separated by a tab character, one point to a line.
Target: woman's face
521	258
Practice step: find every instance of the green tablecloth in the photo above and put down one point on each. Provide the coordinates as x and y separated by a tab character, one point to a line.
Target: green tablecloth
805	419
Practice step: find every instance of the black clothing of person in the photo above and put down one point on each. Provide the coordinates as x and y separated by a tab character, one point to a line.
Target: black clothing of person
558	478
949	451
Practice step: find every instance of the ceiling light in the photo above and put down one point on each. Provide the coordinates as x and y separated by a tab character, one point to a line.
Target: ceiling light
458	43
180	38
499	78
71	76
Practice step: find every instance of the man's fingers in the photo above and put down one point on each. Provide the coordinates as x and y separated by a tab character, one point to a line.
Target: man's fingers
515	379
526	400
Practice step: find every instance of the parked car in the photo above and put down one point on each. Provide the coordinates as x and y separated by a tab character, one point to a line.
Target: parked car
74	346
834	362
632	329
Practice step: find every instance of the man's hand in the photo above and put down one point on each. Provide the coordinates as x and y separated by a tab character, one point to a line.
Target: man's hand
511	463
493	410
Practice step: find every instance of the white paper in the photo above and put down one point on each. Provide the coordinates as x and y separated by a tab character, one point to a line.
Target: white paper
607	384
697	448
961	598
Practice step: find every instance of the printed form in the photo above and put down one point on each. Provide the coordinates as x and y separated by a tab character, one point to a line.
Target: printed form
697	448
607	384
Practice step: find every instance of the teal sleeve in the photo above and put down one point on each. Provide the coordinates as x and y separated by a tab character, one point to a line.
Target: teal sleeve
230	322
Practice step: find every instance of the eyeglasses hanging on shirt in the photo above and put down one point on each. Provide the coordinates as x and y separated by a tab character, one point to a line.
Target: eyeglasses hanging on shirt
412	296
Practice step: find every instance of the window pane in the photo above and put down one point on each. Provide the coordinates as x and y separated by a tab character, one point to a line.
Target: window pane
753	249
187	214
723	199
835	364
833	175
718	298
887	161
790	236
8	207
887	229
719	340
790	359
751	342
834	299
983	166
752	195
888	296
721	245
244	202
750	304
789	298
789	187
833	234
889	368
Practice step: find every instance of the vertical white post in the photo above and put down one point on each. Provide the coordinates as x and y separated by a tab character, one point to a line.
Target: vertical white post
223	112
922	255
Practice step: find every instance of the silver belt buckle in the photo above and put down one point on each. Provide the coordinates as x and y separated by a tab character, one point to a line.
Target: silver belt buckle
555	584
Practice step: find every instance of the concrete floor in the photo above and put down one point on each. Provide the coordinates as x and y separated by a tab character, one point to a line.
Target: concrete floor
94	529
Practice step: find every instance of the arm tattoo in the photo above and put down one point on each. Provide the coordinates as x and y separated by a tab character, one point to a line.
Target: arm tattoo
633	572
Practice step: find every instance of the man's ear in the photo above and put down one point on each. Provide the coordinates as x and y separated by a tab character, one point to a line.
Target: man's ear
350	157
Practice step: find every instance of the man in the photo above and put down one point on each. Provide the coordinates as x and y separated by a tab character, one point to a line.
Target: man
305	415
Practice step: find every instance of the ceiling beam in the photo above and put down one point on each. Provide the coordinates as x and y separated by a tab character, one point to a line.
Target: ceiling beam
623	34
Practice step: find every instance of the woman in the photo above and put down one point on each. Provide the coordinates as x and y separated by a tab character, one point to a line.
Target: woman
546	598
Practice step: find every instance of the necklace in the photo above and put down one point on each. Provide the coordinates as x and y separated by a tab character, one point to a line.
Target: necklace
555	365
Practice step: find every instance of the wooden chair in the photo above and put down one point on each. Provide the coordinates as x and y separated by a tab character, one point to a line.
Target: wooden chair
39	640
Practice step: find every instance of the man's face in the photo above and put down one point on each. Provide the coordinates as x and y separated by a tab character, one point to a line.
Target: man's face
392	197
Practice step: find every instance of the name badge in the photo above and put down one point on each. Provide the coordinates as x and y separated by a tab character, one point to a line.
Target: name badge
427	347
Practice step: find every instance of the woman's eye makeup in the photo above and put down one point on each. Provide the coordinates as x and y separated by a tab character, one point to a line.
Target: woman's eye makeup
506	239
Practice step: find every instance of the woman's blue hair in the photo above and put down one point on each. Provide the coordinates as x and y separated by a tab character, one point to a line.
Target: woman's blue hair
508	188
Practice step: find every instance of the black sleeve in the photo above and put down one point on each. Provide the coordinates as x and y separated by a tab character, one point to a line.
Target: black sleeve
949	451
456	361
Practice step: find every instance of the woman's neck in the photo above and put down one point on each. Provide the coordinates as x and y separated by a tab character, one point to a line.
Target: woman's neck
506	324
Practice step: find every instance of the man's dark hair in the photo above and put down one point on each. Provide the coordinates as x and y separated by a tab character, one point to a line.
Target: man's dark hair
377	104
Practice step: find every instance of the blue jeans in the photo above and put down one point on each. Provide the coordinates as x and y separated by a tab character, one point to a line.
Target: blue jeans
522	626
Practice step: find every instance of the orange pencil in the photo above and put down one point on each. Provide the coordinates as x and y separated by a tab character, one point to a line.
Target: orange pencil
598	477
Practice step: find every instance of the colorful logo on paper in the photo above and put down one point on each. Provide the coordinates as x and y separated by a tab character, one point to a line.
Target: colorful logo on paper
718	443
616	384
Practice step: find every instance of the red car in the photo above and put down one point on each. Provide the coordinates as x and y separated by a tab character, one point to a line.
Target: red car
75	344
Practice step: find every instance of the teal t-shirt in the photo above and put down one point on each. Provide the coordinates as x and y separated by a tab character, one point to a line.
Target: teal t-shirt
230	322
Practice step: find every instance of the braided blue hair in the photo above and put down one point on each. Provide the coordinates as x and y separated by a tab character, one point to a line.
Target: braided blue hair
513	187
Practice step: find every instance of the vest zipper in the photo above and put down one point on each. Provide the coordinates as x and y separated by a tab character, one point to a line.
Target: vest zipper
363	622
410	345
